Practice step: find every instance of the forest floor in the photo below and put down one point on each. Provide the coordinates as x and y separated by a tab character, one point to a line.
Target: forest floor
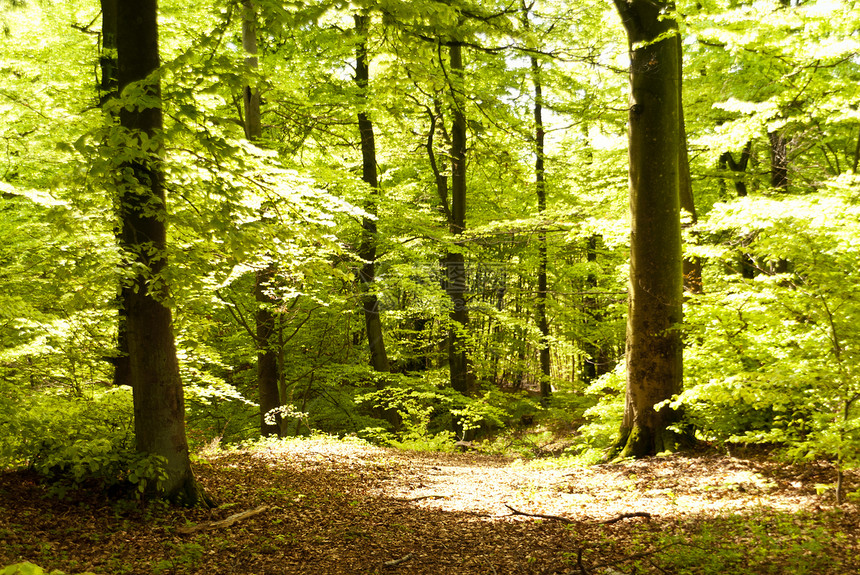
327	507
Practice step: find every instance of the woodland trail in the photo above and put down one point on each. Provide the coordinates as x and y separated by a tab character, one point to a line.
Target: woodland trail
325	507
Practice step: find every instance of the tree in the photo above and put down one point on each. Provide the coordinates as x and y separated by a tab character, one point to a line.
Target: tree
540	191
367	249
654	350
108	89
462	379
159	410
268	369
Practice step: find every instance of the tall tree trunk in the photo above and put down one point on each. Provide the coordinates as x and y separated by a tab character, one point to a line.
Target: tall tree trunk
779	181
109	90
595	364
540	189
367	249
692	266
268	364
654	350
462	378
856	162
159	409
268	368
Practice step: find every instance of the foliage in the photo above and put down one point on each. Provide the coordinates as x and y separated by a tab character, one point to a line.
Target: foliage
770	358
773	358
73	441
603	418
428	410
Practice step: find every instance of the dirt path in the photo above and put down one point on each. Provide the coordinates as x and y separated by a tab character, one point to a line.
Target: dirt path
671	486
336	508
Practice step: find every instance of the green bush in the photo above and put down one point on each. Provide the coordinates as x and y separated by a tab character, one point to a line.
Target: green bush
773	354
428	410
603	419
72	440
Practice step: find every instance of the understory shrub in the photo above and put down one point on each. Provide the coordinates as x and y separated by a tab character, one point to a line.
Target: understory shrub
602	418
72	440
428	410
773	353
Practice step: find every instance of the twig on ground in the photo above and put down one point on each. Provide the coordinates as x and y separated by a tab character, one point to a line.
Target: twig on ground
223	522
411	499
540	515
396	562
644	514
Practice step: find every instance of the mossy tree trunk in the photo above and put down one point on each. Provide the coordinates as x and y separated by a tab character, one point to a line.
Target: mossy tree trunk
654	349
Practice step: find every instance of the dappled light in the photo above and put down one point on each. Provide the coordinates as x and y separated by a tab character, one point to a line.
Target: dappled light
429	286
345	507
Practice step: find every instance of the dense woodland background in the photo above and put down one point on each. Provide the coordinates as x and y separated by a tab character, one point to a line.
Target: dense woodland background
491	246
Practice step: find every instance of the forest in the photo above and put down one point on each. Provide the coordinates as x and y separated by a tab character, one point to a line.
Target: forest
285	261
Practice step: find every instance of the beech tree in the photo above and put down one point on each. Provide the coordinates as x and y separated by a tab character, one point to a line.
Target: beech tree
268	368
271	221
367	249
654	349
159	409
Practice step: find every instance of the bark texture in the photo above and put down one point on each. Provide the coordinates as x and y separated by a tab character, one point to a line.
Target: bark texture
778	161
654	350
159	410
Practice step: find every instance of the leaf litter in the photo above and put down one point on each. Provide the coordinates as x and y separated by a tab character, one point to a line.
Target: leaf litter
329	507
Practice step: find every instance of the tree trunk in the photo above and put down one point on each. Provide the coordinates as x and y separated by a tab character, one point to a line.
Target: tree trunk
462	378
367	250
779	181
654	350
109	90
268	364
159	410
540	189
268	368
597	361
